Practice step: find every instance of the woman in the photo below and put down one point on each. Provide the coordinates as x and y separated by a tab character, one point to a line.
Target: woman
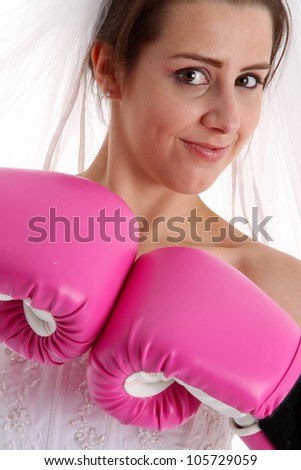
178	121
186	92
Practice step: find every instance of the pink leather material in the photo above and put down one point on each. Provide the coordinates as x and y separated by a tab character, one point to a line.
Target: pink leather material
76	281
258	441
190	315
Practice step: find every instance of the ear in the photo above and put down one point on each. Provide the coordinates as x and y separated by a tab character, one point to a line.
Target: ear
105	69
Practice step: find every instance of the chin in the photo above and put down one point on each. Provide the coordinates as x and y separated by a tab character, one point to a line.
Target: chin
190	191
200	186
190	185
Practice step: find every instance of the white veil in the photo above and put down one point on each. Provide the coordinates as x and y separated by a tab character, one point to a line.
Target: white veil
49	118
48	114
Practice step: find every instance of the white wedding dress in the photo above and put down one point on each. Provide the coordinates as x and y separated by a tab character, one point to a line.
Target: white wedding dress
48	407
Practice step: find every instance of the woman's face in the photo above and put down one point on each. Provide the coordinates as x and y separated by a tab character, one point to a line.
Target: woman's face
194	98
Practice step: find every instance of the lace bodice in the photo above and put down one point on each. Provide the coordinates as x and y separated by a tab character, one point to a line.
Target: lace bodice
48	407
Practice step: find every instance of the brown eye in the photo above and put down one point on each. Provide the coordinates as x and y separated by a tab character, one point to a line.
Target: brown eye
249	81
192	76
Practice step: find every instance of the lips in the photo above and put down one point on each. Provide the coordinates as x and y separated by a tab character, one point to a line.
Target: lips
206	151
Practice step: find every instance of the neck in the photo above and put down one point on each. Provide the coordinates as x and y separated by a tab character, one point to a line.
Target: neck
159	209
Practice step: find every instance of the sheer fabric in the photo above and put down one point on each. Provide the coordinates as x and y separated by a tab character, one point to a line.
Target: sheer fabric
48	114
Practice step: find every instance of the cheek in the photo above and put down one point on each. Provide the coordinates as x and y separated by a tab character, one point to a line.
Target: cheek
251	117
257	114
161	118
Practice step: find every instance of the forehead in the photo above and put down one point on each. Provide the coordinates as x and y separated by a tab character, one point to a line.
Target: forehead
219	27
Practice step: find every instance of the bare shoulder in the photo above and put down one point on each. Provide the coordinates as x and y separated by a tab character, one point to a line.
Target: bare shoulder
276	273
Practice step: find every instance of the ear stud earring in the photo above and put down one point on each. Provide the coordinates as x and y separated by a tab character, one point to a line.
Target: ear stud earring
108	94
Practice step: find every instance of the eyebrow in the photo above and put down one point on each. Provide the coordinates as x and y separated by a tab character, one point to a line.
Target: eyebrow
217	63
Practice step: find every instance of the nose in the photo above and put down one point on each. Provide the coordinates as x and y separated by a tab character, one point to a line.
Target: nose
222	113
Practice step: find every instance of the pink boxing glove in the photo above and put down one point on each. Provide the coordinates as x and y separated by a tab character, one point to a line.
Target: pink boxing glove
188	323
63	260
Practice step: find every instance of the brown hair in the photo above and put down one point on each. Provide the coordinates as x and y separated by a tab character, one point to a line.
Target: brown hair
130	24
